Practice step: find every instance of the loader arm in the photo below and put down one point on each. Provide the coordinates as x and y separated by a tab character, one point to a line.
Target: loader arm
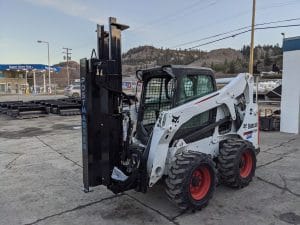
170	121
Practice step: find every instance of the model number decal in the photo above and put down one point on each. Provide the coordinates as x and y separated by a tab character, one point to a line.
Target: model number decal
249	125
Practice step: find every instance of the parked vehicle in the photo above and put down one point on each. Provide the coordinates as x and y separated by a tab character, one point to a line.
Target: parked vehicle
72	91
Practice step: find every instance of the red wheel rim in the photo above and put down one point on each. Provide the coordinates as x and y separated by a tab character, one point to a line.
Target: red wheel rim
200	183
246	164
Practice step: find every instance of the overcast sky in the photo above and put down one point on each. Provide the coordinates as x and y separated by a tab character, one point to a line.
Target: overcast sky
161	23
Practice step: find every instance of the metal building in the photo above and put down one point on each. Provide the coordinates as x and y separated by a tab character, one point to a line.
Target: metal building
290	100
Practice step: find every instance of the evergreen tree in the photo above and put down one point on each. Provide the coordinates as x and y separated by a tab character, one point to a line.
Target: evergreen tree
232	67
267	59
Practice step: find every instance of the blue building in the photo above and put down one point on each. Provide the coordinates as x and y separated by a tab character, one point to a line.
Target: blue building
24	78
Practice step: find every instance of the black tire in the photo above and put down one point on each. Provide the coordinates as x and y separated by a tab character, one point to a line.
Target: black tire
75	95
182	183
236	162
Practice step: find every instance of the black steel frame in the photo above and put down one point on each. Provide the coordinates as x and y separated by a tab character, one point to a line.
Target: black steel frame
101	93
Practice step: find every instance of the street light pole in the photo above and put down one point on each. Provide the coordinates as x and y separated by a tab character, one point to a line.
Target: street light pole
49	70
44	79
283	37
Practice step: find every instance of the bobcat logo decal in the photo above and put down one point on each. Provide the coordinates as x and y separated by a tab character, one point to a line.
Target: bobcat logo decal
175	119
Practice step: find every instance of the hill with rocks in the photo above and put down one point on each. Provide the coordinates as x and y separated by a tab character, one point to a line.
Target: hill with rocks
225	61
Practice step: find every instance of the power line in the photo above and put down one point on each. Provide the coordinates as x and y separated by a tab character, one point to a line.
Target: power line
263	8
231	31
243	32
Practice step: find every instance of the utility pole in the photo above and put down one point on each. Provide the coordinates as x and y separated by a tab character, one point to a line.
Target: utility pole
251	60
67	57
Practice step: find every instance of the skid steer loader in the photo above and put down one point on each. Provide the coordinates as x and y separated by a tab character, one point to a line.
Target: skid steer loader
182	131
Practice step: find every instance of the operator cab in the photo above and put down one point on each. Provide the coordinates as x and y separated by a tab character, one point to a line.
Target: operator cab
167	87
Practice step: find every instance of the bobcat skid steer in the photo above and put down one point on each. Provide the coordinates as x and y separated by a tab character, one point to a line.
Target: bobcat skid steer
183	130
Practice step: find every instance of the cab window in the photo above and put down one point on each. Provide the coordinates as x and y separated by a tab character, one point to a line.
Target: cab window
158	97
195	86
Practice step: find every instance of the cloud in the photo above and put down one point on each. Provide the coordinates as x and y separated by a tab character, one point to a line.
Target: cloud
78	8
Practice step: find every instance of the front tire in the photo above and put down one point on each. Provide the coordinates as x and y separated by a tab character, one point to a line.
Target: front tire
191	180
236	162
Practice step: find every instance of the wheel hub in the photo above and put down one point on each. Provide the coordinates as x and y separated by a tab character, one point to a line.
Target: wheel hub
196	181
246	164
242	162
200	183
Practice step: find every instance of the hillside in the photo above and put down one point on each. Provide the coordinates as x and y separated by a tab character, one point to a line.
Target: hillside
61	78
149	56
223	61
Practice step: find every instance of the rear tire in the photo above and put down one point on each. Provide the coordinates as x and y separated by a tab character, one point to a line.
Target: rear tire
236	162
191	180
75	95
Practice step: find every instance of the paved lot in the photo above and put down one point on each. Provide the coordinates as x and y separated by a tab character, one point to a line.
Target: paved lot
41	183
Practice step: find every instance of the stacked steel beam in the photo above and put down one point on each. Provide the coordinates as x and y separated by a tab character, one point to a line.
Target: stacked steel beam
38	108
